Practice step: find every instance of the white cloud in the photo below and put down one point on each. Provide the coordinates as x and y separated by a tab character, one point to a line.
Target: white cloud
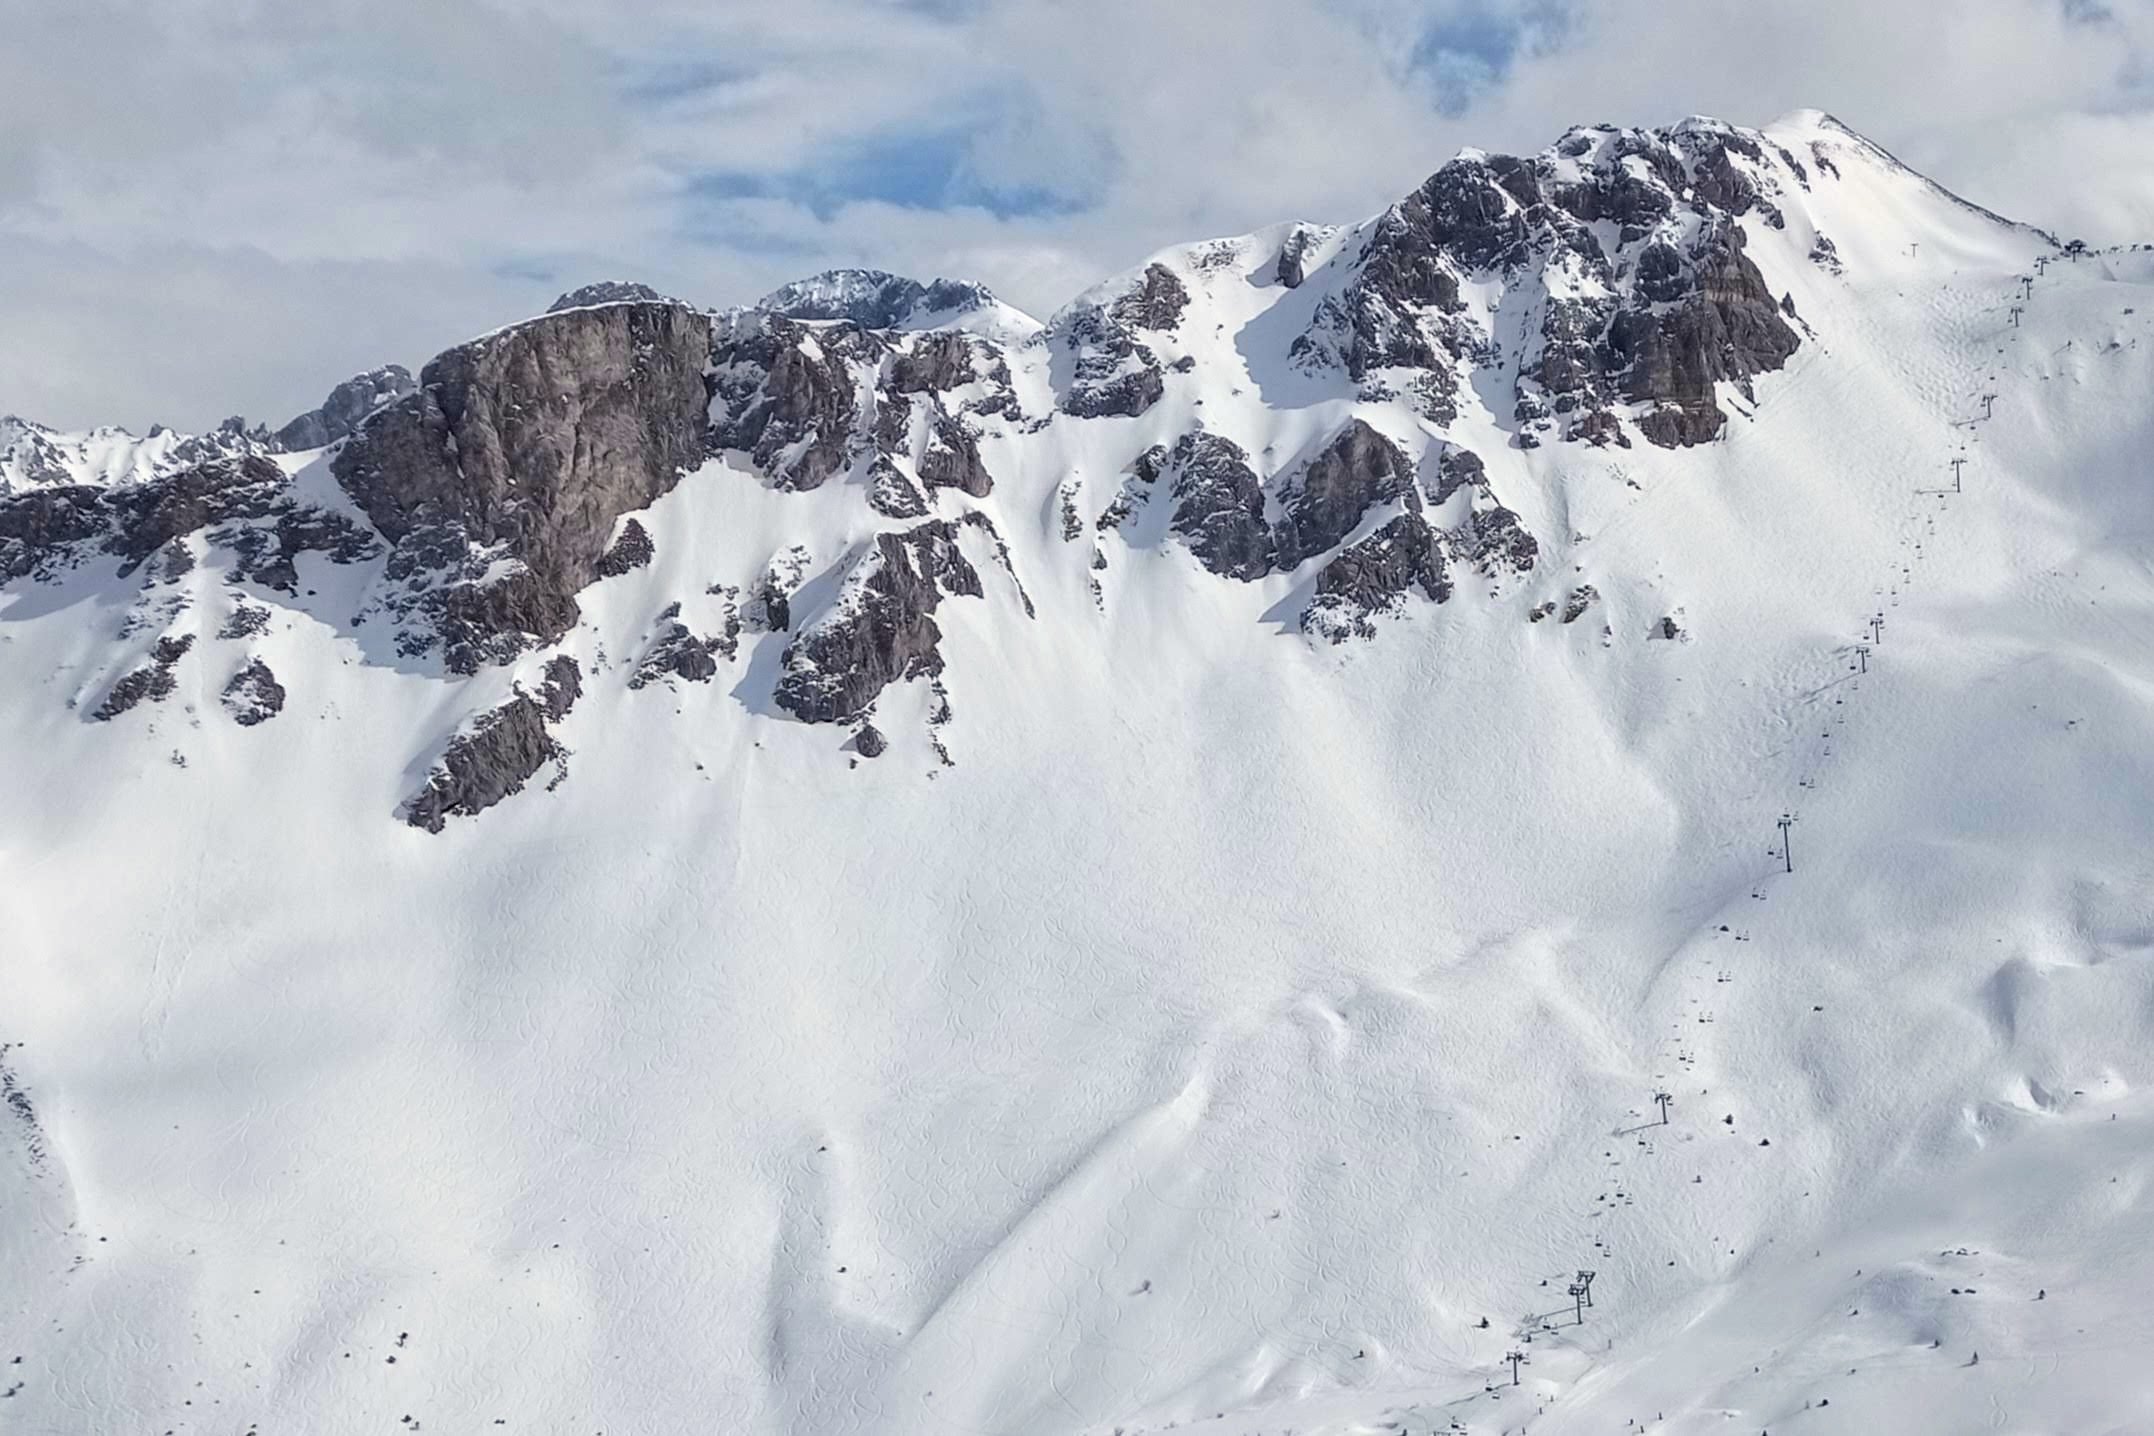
209	205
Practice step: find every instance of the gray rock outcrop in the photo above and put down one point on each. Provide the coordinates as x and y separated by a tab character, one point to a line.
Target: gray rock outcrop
1156	302
609	291
806	403
680	652
1728	328
153	682
347	404
1356	471
253	695
631	549
493	760
560	685
1494	542
246	503
1293	265
1675	309
881	628
527	446
1219	504
1114	373
1373	576
1458	469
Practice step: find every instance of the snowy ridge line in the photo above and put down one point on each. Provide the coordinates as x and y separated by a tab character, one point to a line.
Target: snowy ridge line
1818	119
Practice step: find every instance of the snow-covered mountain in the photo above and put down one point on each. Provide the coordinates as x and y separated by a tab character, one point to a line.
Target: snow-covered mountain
869	864
33	456
873	299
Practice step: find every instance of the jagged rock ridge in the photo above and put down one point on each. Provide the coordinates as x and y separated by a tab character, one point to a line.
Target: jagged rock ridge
874	299
900	413
1288	409
347	404
247	506
1659	319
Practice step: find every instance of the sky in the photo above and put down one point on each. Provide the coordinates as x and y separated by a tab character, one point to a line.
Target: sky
211	207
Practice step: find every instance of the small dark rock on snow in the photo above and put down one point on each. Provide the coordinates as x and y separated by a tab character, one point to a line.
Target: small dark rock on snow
481	767
561	687
631	550
254	695
152	682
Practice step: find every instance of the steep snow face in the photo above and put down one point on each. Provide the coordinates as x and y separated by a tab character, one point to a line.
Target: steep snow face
1145	874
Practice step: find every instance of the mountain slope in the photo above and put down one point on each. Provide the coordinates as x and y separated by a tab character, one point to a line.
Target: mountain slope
1184	1018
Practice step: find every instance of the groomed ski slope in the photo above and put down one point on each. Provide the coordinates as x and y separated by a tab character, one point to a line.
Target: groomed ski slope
1234	1026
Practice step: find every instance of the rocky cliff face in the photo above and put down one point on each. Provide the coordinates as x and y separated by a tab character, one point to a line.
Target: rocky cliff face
1659	317
1372	576
502	751
499	481
1220	508
900	413
246	506
1114	372
1238	526
347	404
881	629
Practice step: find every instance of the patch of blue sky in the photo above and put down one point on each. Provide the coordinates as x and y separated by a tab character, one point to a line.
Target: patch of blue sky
919	169
1470	50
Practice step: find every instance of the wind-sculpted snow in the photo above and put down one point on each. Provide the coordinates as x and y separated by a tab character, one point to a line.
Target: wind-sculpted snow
33	456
